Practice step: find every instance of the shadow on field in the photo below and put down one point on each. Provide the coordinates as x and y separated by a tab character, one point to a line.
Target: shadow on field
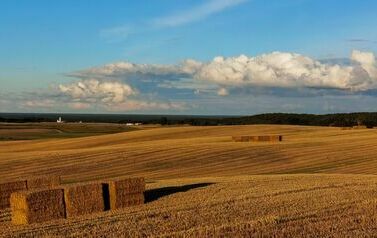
154	194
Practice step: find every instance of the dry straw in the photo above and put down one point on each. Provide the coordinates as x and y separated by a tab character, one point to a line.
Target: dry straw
35	206
272	138
125	192
133	200
6	189
359	127
241	138
46	181
34	182
81	199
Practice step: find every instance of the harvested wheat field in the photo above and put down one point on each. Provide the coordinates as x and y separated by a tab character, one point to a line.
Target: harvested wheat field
317	181
267	205
178	152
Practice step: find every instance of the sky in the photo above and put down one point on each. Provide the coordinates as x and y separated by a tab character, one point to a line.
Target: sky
207	57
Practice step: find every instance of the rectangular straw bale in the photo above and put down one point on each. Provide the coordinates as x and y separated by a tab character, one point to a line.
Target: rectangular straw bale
241	138
6	189
264	138
133	200
236	138
272	138
129	185
126	192
359	127
245	138
275	138
45	181
253	138
83	199
122	200
36	206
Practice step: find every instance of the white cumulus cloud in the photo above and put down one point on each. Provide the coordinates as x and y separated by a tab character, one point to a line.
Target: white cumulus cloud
287	70
272	70
109	96
92	90
187	67
367	61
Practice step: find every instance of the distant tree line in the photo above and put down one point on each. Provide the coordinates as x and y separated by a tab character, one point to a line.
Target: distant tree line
26	119
339	120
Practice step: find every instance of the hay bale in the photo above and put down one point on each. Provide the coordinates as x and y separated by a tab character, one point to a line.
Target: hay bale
36	182
81	199
264	138
257	138
245	138
36	206
126	192
360	127
237	138
241	138
269	138
45	181
122	200
253	138
133	200
276	138
6	189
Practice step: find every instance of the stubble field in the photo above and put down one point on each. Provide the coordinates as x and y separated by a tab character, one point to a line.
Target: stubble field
319	181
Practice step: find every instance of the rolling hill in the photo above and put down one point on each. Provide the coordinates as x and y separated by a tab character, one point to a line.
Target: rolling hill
176	152
319	181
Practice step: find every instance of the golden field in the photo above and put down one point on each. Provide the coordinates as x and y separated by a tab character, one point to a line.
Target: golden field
179	152
320	181
264	205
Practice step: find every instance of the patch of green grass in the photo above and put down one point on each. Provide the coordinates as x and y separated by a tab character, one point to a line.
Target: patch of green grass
34	131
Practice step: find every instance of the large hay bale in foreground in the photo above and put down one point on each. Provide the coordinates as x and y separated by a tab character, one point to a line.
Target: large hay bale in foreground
126	192
122	200
37	206
83	199
132	200
44	181
6	189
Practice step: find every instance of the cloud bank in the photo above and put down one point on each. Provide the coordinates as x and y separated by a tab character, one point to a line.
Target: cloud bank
273	70
229	84
287	70
92	90
108	95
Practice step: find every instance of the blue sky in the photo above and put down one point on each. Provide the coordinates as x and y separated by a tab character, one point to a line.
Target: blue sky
188	57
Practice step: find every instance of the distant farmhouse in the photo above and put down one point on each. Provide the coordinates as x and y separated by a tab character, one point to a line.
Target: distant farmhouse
133	124
59	120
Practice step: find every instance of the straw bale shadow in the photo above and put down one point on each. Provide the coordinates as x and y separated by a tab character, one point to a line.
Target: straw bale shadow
157	193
